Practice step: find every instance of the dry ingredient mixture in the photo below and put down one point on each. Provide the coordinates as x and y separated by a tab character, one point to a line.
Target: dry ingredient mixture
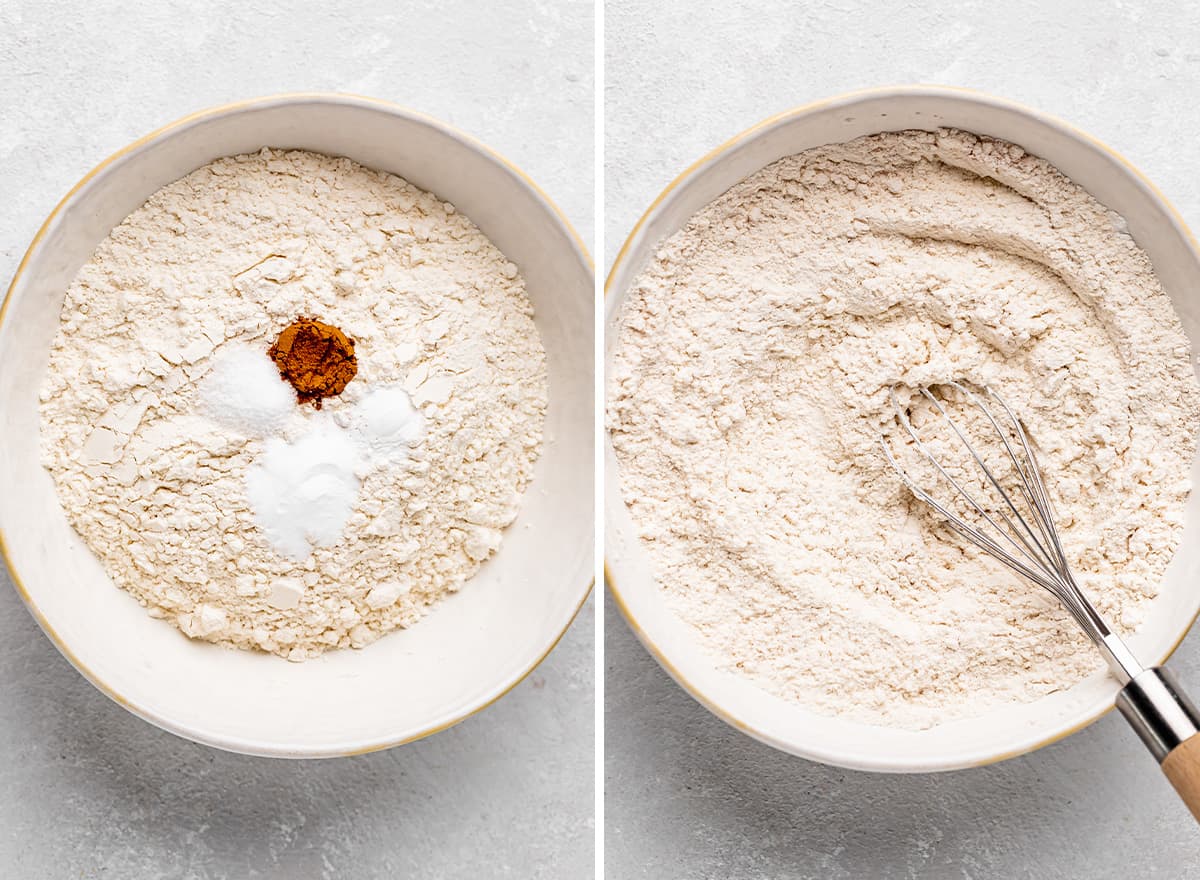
173	416
749	389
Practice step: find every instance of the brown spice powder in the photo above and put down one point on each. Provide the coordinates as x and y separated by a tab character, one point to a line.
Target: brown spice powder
316	358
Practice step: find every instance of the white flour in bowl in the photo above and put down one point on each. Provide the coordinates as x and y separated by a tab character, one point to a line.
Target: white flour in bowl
749	389
203	486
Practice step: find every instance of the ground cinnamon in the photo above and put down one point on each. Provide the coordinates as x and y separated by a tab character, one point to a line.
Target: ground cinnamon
316	358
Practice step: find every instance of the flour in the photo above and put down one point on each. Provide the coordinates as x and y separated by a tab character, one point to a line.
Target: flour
153	474
749	390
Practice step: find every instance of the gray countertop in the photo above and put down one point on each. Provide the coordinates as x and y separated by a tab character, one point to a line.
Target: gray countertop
86	789
689	797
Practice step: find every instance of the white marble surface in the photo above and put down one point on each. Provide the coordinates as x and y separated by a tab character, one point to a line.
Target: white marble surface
89	791
687	796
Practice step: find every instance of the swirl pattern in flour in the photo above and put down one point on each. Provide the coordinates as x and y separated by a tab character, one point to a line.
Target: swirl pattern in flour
749	389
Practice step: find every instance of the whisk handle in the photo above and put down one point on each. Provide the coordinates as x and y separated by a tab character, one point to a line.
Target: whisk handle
1169	724
1182	767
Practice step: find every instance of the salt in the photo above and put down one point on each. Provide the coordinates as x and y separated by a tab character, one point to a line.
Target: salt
245	393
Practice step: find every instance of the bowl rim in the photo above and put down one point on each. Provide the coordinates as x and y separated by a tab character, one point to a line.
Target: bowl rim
885	764
249	745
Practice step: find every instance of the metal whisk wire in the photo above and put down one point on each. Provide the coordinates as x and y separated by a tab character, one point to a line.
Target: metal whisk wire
1020	531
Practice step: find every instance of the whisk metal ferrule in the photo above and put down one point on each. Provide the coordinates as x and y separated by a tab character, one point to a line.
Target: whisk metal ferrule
1158	710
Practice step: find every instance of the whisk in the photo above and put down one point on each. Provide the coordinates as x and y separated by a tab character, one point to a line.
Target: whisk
1018	529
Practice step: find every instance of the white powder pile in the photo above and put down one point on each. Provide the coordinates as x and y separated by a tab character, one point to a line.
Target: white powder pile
301	493
750	387
163	420
245	392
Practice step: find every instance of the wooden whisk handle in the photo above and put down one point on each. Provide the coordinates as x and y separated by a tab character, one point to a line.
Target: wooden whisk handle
1182	767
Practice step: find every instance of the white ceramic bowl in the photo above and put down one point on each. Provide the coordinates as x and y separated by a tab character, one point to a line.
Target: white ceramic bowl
1002	733
474	646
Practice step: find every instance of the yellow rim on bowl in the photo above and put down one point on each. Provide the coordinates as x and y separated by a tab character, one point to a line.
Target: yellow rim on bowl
243	745
886	91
